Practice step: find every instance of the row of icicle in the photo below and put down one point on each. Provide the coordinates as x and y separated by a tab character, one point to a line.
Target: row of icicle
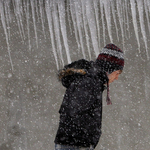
82	16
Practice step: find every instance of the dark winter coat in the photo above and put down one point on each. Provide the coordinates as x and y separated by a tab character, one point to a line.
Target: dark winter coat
81	109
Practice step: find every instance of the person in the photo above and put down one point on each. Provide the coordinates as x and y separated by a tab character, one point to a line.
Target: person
81	109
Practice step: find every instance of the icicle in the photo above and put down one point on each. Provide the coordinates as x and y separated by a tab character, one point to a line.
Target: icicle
57	31
7	16
140	10
17	11
127	17
34	22
37	9
92	25
102	17
114	17
7	2
49	18
95	2
108	18
5	31
119	11
68	16
24	6
78	20
42	16
124	18
72	10
85	28
133	10
61	8
146	5
27	20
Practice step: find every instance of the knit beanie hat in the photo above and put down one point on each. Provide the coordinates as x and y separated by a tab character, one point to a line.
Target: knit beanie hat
109	60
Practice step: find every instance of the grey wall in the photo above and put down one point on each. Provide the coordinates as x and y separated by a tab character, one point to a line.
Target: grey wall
30	94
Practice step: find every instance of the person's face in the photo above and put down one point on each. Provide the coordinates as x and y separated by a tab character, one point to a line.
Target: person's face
114	76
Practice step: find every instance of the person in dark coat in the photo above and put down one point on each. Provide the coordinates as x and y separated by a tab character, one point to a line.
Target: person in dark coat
81	109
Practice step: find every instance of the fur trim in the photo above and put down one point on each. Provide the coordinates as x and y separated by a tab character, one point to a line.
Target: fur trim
70	71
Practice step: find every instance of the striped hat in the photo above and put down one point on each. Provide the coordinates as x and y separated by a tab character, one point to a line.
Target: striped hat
111	58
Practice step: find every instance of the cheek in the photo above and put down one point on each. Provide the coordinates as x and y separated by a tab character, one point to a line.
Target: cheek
118	75
114	78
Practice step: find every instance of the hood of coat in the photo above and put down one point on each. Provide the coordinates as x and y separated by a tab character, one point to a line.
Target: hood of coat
71	72
75	70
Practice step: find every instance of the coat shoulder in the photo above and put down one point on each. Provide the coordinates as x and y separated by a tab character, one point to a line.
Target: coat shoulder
72	71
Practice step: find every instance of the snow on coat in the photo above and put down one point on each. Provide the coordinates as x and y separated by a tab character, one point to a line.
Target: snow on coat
81	109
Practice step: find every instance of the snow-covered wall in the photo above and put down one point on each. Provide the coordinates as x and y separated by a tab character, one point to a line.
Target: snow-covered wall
38	37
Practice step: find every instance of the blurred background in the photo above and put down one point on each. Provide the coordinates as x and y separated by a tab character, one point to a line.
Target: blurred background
39	37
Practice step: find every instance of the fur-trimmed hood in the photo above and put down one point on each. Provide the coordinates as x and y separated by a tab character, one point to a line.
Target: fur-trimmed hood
70	71
79	69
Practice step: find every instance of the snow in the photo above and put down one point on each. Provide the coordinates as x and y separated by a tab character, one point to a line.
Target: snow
39	37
